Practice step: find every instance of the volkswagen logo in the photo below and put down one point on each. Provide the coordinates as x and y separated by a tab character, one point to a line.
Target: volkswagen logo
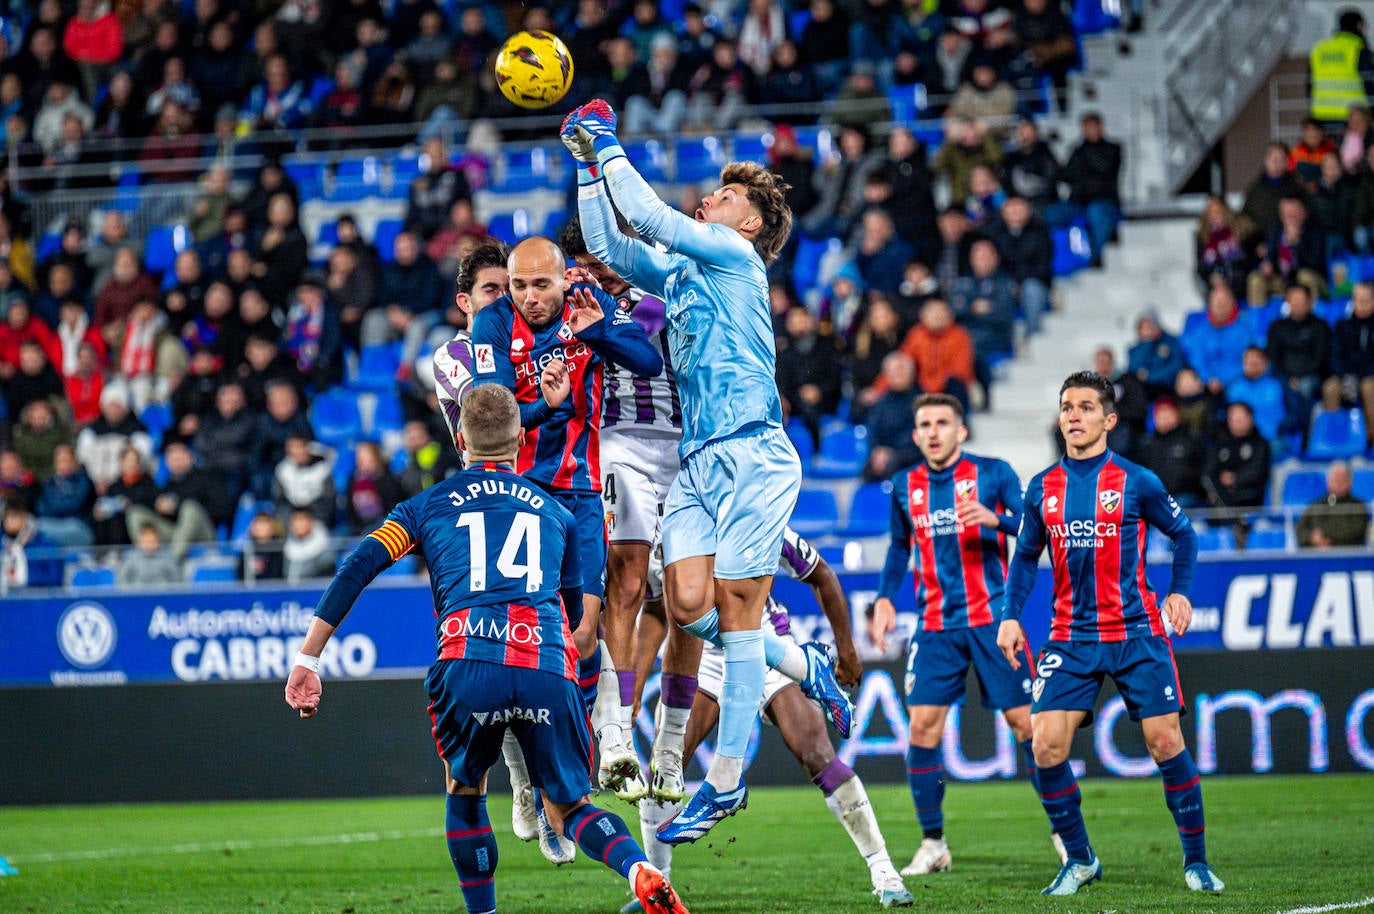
87	635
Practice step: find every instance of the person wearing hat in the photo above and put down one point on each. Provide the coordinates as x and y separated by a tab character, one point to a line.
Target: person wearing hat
1341	70
1177	454
1156	357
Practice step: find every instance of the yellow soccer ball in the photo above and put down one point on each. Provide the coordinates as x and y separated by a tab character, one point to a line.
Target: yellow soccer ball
534	69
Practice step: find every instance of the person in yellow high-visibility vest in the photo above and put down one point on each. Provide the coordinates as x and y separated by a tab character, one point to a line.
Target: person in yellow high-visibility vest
1340	69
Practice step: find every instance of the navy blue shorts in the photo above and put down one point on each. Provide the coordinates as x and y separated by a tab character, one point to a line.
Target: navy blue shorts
937	669
1069	675
472	703
587	510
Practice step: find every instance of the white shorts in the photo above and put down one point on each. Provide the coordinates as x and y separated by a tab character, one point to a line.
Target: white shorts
711	674
636	473
733	499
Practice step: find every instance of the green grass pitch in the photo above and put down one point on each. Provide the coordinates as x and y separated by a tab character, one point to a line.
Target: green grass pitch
1280	843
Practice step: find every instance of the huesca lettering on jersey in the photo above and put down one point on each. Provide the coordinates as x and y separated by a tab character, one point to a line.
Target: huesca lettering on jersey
940	522
1083	534
534	367
496	487
506	632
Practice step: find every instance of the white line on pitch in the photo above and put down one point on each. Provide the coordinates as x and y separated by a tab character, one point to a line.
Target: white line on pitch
198	847
1322	909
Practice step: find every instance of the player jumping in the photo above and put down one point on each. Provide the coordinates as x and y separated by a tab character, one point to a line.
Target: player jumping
1092	510
739	477
956	509
505	565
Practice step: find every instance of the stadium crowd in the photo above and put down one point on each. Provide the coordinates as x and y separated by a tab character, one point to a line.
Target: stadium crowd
141	404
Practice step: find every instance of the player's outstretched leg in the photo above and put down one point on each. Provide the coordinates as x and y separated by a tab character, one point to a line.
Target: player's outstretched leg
604	836
652	814
1062	800
925	775
618	768
524	821
556	849
848	802
677	690
1183	796
472	846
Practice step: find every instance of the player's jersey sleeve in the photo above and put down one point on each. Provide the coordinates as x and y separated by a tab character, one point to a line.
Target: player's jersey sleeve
619	340
799	558
452	378
491	337
1160	510
656	221
1030	541
377	551
1012	497
639	263
899	547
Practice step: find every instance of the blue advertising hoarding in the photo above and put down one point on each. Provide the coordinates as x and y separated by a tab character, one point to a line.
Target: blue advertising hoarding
238	634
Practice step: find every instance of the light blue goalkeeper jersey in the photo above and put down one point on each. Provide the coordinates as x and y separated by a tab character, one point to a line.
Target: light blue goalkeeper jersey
715	286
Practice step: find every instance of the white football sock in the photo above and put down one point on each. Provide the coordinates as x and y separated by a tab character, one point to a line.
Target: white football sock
606	708
671	730
652	814
793	662
849	803
725	772
515	761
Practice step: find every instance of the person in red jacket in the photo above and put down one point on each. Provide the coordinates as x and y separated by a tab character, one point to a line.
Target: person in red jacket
94	40
20	326
85	386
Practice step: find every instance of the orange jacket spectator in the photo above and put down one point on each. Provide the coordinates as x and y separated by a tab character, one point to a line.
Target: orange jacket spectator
93	39
940	356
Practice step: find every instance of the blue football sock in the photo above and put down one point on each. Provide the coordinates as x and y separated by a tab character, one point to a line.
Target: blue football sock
1031	771
925	775
473	849
588	673
707	628
741	691
1183	796
1062	800
603	836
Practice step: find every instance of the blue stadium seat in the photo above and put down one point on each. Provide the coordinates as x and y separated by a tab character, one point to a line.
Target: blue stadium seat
1091	17
699	159
1302	487
308	176
752	147
843	452
244	514
377	366
800	437
384	239
908	103
817	513
649	159
818	139
329	233
1215	539
511	227
161	246
320	88
345	459
334	417
833	555
93	576
806	263
869	510
156	418
1363	487
48	246
217	572
1261	316
1334	310
1266	538
388	416
1336	434
1071	250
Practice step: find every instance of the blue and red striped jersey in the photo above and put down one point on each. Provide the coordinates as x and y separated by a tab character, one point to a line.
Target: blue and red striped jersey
961	569
1093	515
562	446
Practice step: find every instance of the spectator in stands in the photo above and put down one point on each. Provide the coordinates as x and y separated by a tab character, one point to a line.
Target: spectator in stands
1093	173
1362	218
1294	251
1238	470
1027	251
918	287
408	302
1261	391
270	180
11	102
1214	340
1047	38
591	27
147	353
280	250
696	36
36	379
22	326
1339	70
429	46
206	217
1177	454
720	89
71	253
808	370
188	507
434	191
64	504
277	103
194	396
890	421
303	479
842	299
457	236
100	253
28	558
1337	519
219	69
1221	244
16	252
71	159
1332	204
661	103
149	563
985	197
1299	345
841	182
763	29
224	441
427	461
442	105
1030	169
132	487
36	436
1305	159
1155	358
956	240
85	386
1356	138
372	490
860	102
912	204
352	289
967	145
119	115
881	256
216	326
17	482
646	25
1352	358
879	333
308	552
127	285
42	64
172	140
278	414
177	88
94	40
59	286
823	44
984	302
349	237
314	337
393	96
61	100
788	82
262	560
166	42
986	98
1132	406
188	279
942	351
